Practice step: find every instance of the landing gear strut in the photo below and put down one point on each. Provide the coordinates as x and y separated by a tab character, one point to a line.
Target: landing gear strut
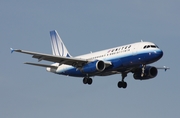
122	83
143	69
87	80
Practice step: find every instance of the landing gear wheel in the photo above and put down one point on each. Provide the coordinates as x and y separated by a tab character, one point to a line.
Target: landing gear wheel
119	84
87	81
122	84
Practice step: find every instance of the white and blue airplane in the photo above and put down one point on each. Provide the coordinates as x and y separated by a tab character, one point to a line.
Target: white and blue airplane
122	60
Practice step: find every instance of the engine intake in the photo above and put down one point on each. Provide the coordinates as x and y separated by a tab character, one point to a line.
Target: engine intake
93	67
149	72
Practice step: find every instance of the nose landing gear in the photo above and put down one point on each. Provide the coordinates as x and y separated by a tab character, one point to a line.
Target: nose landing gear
143	69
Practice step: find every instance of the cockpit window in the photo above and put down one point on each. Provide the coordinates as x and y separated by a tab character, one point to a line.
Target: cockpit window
150	46
153	46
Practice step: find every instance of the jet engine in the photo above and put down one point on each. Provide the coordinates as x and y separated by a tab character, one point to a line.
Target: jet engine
149	73
93	67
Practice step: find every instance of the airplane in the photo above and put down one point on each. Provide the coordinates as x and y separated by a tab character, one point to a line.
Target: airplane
134	58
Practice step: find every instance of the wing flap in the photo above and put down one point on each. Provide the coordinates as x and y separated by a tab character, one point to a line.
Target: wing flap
42	65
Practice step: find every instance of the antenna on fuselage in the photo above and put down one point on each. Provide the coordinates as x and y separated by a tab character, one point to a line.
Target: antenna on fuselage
142	40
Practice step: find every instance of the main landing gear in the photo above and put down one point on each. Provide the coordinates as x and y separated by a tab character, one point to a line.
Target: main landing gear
87	80
122	83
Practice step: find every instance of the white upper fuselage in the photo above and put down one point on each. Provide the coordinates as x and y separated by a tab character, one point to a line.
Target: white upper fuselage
113	52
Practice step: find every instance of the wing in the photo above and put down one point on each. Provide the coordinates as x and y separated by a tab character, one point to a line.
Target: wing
164	67
56	59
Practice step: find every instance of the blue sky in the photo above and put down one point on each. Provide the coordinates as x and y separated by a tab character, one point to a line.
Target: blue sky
84	26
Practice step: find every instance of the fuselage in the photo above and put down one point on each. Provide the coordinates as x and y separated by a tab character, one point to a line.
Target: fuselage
122	58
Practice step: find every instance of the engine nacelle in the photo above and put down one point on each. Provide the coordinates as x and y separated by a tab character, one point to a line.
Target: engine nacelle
149	72
93	67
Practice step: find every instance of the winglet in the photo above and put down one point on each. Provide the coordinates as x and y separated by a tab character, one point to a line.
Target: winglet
12	50
165	68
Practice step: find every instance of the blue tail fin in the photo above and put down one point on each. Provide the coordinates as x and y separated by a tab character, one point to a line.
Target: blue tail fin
58	47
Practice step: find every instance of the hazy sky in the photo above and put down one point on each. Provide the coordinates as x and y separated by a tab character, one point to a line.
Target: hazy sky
31	92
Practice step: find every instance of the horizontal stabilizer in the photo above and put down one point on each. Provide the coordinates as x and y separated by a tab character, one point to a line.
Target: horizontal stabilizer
42	65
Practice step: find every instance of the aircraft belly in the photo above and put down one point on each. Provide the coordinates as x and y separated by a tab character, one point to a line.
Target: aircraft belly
70	71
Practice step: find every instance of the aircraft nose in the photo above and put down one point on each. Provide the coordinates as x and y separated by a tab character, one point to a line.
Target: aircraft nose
159	53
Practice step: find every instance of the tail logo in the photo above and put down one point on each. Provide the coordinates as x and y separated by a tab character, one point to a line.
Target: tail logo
58	47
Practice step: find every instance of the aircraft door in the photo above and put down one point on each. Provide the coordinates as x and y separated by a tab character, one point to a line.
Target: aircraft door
136	57
134	50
